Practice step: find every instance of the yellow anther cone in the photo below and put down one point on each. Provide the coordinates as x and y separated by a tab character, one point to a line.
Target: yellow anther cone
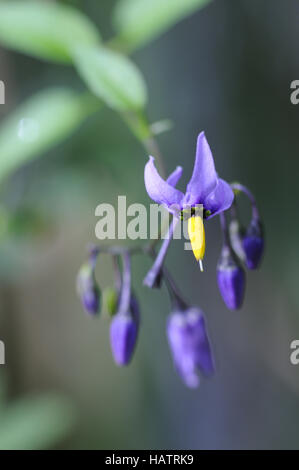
197	236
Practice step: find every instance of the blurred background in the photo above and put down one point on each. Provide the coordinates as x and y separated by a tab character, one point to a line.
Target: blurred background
226	69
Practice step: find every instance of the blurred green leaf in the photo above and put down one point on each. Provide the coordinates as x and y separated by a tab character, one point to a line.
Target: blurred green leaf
112	77
27	222
43	121
43	29
36	423
140	21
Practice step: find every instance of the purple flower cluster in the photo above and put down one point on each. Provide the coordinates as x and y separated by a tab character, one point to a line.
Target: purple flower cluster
242	249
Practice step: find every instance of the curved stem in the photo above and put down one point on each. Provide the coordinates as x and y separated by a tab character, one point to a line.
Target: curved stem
234	210
141	128
175	295
94	251
248	193
176	298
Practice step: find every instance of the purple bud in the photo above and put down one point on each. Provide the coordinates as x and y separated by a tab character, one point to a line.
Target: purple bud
189	344
231	279
88	289
253	244
123	333
91	300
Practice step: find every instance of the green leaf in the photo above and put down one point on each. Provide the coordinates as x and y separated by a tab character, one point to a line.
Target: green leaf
36	423
140	21
42	122
112	77
44	29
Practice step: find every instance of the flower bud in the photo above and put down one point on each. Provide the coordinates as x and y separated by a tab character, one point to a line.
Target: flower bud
253	244
231	279
88	289
123	333
189	344
110	300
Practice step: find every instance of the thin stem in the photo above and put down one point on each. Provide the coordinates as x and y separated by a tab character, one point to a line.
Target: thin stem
248	193
177	300
139	125
234	210
126	284
93	255
117	274
153	273
176	297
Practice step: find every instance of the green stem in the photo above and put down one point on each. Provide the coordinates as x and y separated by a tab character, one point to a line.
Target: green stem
140	127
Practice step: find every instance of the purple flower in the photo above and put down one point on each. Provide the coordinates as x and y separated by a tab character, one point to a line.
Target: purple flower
204	187
253	244
189	344
88	290
123	333
231	279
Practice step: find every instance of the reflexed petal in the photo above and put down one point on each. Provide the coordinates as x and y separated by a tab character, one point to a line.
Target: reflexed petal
157	188
220	199
174	177
204	177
